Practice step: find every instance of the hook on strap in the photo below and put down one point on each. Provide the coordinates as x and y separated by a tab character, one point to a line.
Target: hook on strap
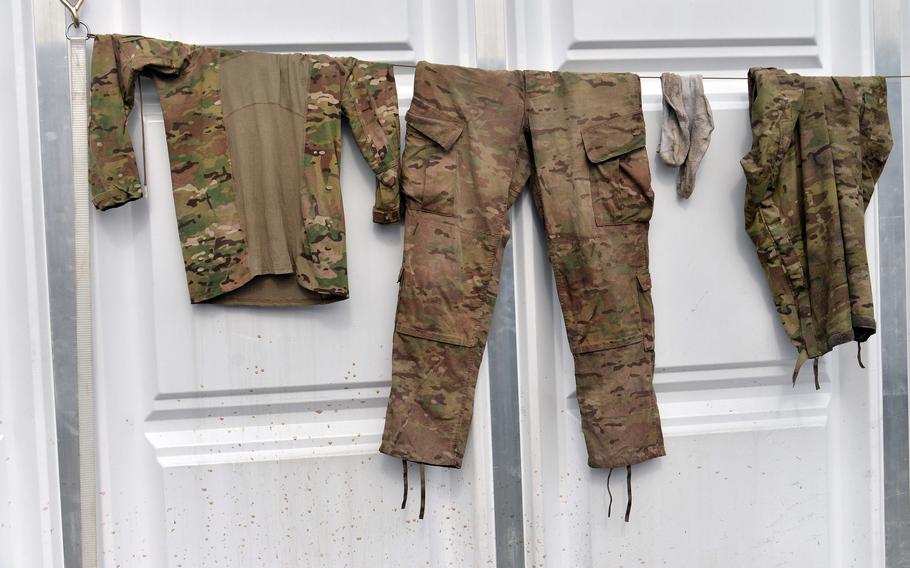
73	10
77	23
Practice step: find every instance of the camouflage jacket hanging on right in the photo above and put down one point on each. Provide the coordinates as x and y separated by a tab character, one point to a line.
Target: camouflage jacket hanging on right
819	146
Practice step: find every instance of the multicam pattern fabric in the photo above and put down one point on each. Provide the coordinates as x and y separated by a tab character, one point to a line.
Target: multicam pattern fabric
215	230
474	139
819	145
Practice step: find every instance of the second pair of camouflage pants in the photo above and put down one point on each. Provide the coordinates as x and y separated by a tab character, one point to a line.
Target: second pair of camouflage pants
475	138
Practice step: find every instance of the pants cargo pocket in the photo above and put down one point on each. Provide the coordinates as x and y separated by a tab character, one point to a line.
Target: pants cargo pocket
445	275
430	163
618	168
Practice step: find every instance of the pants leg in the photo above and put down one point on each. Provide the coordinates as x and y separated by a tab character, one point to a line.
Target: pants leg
463	147
593	189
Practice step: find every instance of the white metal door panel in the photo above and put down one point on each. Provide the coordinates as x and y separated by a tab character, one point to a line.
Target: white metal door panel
757	473
234	436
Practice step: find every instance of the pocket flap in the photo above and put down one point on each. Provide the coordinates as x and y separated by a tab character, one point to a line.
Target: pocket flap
644	281
614	137
438	127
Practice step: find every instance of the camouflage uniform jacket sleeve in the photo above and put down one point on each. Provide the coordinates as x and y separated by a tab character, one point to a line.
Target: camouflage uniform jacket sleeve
116	62
875	133
370	102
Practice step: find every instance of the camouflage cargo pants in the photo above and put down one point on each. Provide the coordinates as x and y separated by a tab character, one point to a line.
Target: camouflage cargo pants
474	140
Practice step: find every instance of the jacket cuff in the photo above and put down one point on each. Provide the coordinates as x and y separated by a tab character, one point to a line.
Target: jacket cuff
386	216
388	200
118	194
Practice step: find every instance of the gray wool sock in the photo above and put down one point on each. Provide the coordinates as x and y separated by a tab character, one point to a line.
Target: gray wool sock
687	126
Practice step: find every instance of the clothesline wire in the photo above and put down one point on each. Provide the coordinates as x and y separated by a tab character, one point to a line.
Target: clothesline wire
707	77
90	35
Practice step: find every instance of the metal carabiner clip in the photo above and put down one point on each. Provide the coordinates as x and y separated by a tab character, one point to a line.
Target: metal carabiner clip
74	10
76	23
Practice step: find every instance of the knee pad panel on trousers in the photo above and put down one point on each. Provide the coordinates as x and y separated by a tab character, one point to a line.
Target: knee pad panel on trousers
604	288
445	274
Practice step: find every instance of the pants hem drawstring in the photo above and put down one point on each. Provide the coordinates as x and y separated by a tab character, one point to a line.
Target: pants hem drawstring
629	491
423	490
404	477
610	493
423	486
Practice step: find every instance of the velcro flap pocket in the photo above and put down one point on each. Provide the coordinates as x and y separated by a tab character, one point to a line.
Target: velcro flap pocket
442	128
614	137
618	169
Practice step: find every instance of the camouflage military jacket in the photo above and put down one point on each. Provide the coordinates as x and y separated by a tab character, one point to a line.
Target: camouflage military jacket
254	142
819	145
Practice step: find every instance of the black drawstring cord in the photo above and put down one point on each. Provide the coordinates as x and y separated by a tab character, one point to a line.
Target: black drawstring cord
629	489
628	492
423	490
404	477
610	493
423	486
815	370
859	354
